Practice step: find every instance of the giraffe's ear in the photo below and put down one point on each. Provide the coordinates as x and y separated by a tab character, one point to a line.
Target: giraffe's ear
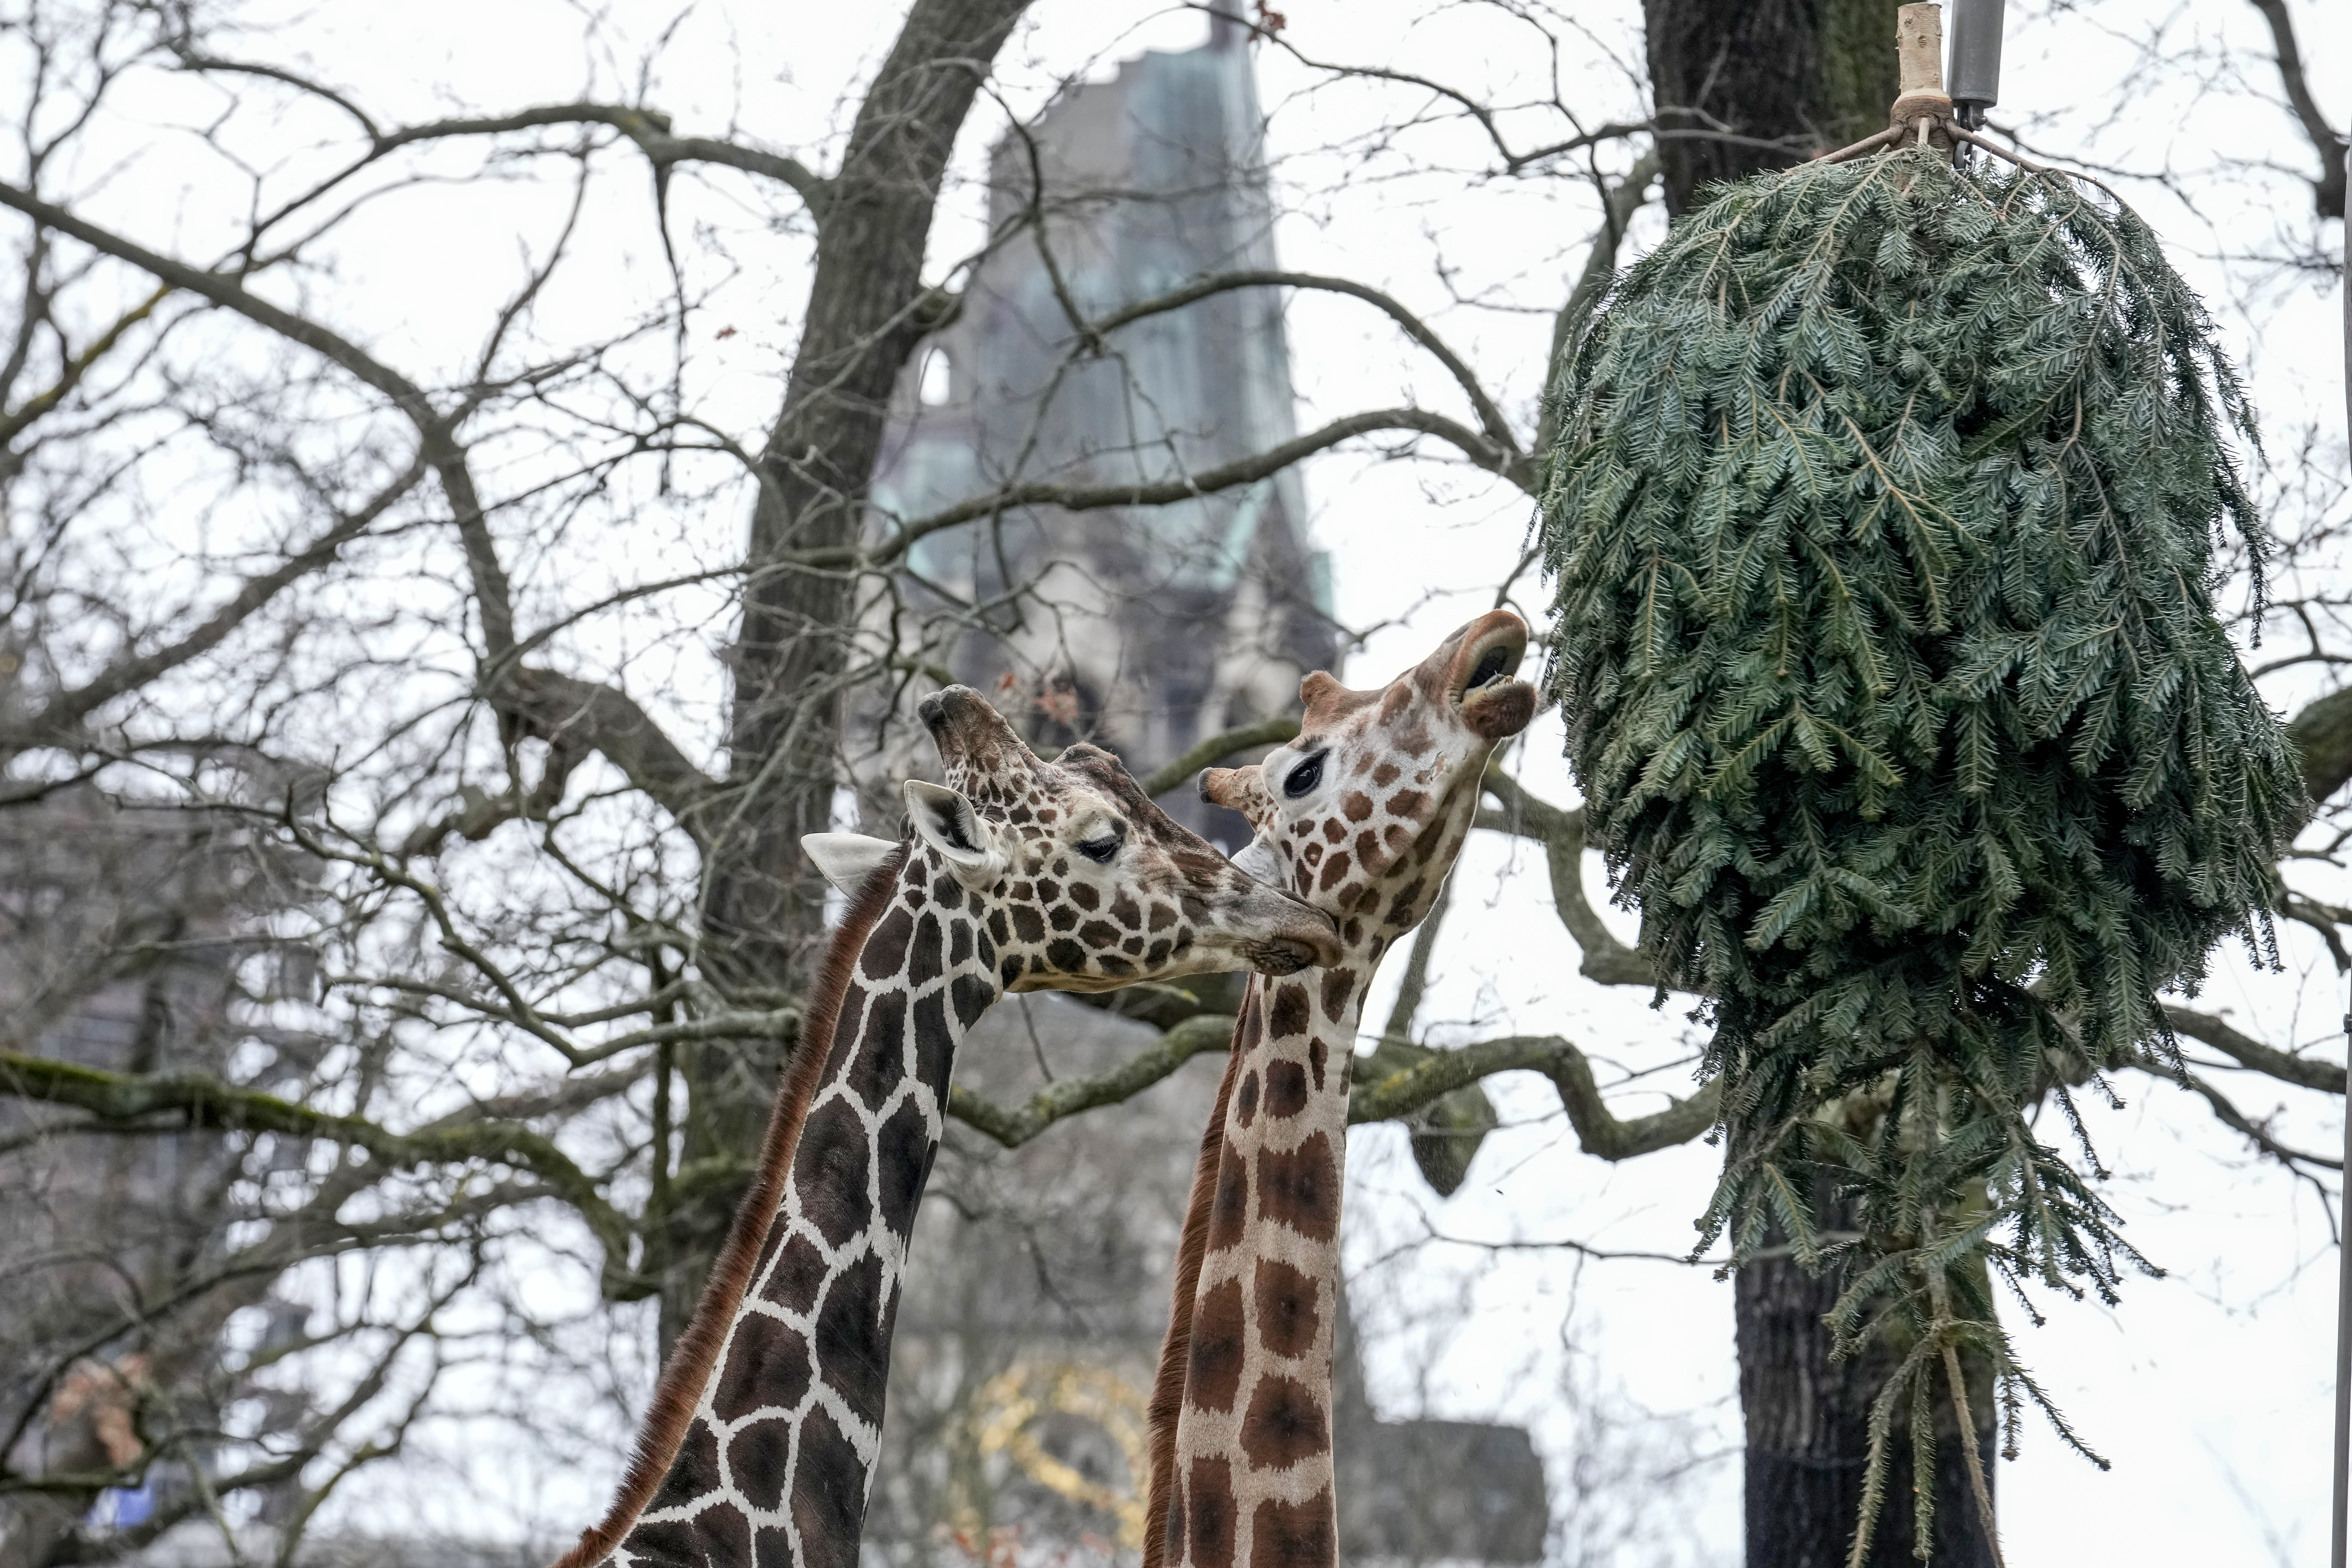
945	820
846	859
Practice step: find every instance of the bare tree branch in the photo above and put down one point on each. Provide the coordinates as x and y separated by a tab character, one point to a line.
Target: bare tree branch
2253	1131
565	710
600	717
16	422
2326	140
2308	1072
1606	1137
1561	833
2322	733
1618	206
1412	985
118	1101
1667	124
494	596
1014	1126
63	714
1490	417
1602	1133
1264	732
1264	465
649	129
1381	1097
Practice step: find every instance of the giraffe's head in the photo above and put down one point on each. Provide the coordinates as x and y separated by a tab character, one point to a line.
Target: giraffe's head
1363	813
1075	880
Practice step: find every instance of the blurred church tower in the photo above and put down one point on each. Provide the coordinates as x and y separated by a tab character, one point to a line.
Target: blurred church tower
1143	629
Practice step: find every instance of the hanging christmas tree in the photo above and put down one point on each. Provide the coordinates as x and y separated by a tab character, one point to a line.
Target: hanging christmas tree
1886	521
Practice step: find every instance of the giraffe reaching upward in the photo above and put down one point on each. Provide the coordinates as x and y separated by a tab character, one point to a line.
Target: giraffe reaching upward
1362	815
1023	876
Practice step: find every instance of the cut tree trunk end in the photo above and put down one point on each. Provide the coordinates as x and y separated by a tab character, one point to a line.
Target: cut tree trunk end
1920	69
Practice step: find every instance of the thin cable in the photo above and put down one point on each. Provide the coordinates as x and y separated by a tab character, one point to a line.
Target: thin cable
2342	1244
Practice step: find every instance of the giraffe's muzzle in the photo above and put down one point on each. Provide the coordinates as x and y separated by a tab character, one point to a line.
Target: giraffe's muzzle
970	731
1494	704
1279	957
1293	934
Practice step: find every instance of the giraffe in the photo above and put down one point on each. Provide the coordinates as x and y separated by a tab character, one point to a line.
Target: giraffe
1019	875
1363	816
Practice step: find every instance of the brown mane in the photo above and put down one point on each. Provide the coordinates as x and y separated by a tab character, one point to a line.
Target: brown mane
1175	1351
680	1387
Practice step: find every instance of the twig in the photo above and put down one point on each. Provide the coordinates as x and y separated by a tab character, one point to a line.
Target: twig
1887	136
1264	732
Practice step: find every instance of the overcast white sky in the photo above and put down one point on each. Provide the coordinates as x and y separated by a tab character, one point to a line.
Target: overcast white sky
2208	1389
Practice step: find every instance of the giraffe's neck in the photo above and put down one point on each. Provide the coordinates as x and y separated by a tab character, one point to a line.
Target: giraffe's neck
766	1426
1242	1471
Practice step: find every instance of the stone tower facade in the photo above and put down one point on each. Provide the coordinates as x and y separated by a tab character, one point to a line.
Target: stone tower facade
1143	629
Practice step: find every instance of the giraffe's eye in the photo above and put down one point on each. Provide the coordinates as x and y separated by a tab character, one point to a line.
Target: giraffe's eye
1102	848
1305	776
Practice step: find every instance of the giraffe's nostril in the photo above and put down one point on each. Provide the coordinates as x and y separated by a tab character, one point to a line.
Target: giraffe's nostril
1500	709
931	710
1279	957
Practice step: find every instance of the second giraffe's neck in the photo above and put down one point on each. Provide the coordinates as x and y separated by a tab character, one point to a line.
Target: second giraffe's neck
1242	1469
766	1428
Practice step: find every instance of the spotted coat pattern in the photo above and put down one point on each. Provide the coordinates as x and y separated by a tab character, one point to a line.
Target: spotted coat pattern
1362	816
765	1432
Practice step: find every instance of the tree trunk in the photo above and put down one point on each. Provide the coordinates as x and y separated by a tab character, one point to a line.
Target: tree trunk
1742	86
1807	1429
763	906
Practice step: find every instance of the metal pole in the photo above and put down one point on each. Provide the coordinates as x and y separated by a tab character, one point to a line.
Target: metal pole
1975	74
2343	1242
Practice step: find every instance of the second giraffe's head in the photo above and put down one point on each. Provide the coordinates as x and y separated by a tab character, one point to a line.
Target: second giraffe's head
1074	879
1363	813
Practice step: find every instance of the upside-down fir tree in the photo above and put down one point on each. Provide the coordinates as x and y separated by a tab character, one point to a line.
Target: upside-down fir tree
1886	521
